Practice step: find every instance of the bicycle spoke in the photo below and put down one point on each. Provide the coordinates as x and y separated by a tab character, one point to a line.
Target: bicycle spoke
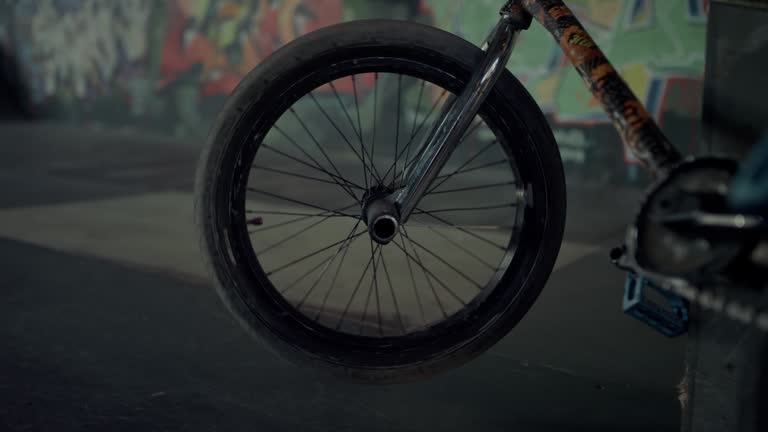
413	129
392	291
471	227
284	213
456	209
468	133
423	122
292	174
367	301
354	293
288	222
463	248
333	176
359	133
472	129
303	275
344	246
310	255
397	127
295	201
416	291
420	262
357	107
375	282
311	275
485	165
469	188
360	156
447	264
462	229
329	174
375	103
335	277
344	109
409	163
299	219
317	143
293	236
458	170
429	114
360	128
424	271
333	123
416	113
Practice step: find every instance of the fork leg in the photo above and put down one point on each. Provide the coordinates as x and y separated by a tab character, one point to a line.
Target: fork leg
456	118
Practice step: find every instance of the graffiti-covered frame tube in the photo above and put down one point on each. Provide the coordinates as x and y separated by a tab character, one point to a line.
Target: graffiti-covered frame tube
640	133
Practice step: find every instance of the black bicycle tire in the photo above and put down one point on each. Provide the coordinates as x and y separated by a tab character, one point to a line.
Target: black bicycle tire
321	46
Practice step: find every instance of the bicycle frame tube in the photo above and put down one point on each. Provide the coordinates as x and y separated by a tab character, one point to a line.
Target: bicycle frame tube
635	126
638	130
457	116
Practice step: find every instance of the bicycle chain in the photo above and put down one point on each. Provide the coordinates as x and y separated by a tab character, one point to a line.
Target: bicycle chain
711	299
714	298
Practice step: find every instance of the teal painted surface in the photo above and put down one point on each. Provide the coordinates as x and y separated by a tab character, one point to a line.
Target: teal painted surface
168	66
658	46
646	40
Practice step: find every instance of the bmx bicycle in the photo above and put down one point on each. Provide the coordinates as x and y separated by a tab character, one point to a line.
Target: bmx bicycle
353	222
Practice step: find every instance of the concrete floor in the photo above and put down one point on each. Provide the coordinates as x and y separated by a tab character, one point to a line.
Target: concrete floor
109	322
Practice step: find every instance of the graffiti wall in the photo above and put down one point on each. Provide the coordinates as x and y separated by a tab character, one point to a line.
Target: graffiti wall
168	65
221	41
82	47
657	45
168	61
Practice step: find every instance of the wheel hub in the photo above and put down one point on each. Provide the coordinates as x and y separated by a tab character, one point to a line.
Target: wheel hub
380	213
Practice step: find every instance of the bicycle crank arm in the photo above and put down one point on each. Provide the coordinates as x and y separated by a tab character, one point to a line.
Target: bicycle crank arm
458	115
711	298
716	225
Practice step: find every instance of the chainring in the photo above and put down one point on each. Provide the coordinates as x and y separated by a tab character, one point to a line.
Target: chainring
695	185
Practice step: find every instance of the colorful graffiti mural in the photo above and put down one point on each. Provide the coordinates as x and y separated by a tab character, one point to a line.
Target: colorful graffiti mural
81	46
658	46
208	45
170	64
223	40
154	57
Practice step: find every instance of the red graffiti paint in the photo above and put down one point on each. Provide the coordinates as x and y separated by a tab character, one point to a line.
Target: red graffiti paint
190	45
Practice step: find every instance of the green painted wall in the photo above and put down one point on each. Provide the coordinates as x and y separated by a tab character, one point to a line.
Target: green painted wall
658	46
168	66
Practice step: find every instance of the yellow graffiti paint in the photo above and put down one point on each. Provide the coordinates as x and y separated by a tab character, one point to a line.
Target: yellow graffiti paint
638	78
558	12
581	40
643	18
285	19
196	8
635	113
601	71
249	58
604	12
547	89
231	16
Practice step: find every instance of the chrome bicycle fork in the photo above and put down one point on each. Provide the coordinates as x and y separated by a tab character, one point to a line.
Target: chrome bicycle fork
384	216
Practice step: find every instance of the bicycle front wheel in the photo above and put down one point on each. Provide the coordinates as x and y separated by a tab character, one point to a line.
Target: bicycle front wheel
335	119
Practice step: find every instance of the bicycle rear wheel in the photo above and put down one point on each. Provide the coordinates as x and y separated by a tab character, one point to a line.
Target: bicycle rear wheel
336	118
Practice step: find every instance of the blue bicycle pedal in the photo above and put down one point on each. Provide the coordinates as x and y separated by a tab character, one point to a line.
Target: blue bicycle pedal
659	309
